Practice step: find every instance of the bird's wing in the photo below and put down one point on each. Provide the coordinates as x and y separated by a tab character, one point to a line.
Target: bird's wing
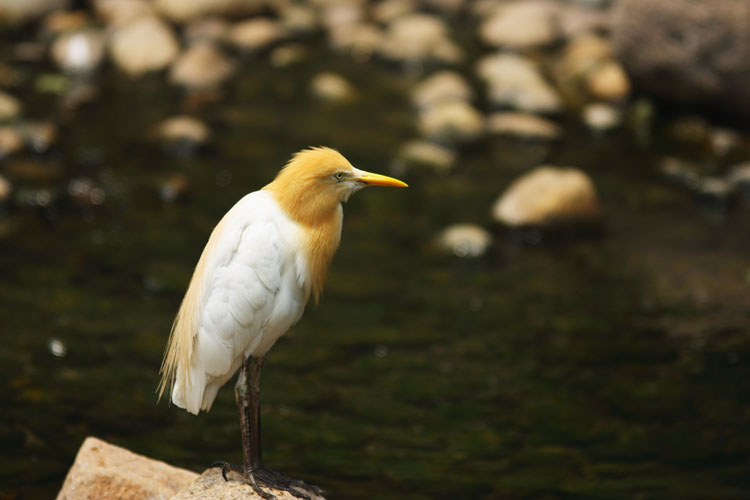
229	301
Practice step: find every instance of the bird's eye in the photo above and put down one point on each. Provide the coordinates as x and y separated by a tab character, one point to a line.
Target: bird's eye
339	176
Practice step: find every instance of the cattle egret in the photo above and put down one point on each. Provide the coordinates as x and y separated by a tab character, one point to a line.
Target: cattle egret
262	262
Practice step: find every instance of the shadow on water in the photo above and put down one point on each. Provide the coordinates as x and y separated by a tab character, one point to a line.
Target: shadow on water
604	367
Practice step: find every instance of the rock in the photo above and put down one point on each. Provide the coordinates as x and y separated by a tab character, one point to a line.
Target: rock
79	51
443	86
184	132
680	172
60	21
521	25
601	117
419	39
209	29
287	54
514	82
360	40
687	51
420	153
337	14
547	195
453	122
331	87
6	188
715	192
298	19
464	240
576	20
146	44
739	177
20	11
10	141
210	485
175	188
388	10
523	126
256	34
186	10
102	470
117	13
724	141
10	107
201	66
608	81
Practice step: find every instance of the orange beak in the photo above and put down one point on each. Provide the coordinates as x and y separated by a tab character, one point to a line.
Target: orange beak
370	179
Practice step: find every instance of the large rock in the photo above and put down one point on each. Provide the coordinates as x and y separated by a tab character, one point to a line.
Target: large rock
546	195
210	485
515	82
19	11
419	38
451	123
442	87
686	50
201	66
184	10
102	470
521	25
146	44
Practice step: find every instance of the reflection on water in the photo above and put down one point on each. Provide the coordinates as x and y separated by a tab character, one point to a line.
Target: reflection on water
608	366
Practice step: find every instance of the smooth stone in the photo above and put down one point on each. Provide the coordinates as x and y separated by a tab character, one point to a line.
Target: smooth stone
201	66
680	172
464	240
523	125
582	54
16	12
183	128
256	34
739	177
388	10
6	189
10	141
515	82
337	14
547	195
521	25
117	13
212	486
360	40
608	81
188	10
210	29
144	45
79	51
419	38
60	21
423	154
601	117
453	122
299	19
331	87
10	106
441	87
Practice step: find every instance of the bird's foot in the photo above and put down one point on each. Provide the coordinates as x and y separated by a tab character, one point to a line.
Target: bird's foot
261	475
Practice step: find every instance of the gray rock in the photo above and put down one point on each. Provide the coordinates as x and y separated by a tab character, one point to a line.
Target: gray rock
688	51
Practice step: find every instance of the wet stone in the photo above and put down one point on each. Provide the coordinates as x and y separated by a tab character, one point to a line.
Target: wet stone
146	44
464	240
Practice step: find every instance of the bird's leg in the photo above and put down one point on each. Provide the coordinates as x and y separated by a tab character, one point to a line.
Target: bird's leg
247	393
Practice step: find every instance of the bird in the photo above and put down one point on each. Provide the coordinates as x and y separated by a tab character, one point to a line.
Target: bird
263	261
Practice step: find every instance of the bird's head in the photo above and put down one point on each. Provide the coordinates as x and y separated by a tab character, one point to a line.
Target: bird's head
317	180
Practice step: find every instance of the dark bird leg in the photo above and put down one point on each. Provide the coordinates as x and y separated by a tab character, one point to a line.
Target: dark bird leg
247	393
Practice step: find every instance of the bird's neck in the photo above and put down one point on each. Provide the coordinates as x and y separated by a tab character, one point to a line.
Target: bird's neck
320	219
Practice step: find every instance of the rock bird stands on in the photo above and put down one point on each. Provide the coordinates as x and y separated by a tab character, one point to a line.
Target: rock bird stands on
264	259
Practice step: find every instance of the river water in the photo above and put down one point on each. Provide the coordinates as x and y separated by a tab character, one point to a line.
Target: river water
607	365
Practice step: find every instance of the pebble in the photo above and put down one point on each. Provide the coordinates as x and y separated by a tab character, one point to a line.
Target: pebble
10	141
601	117
514	81
521	25
17	12
523	126
465	240
10	107
546	195
453	122
388	10
361	41
183	129
739	177
146	44
443	86
423	154
79	51
331	87
256	34
61	21
680	172
299	19
608	81
419	39
287	54
201	66
211	29
117	13
6	188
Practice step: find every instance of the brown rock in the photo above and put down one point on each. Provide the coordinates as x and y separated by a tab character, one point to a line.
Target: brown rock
102	470
687	51
210	485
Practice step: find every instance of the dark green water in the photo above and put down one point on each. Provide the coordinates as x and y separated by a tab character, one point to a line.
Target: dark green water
616	366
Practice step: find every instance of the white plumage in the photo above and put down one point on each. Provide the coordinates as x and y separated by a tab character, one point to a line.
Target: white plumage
255	287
